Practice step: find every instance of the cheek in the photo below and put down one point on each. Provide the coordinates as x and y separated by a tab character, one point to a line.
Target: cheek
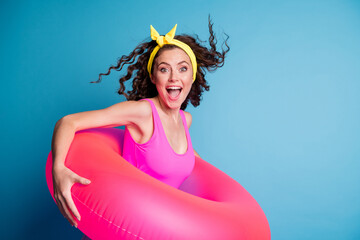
188	89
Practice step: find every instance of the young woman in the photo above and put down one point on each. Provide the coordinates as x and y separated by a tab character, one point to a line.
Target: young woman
169	72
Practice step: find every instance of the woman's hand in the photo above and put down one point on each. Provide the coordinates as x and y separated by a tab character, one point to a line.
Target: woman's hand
63	179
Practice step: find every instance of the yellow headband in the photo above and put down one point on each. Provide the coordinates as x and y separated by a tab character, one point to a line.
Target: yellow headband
169	39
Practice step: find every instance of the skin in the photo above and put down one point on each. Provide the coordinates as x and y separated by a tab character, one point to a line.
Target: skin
171	68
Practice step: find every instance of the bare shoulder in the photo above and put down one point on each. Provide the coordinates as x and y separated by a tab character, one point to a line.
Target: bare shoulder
141	125
188	118
136	110
144	110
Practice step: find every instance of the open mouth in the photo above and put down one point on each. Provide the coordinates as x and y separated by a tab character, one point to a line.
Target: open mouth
174	92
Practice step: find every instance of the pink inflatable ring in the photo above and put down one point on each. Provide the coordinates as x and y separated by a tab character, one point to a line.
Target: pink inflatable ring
123	202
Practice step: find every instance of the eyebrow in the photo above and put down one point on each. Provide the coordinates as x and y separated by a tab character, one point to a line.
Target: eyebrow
177	63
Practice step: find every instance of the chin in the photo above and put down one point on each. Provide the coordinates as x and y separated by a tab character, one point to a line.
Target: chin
172	104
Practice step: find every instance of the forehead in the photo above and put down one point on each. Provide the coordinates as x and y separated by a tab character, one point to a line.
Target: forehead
172	55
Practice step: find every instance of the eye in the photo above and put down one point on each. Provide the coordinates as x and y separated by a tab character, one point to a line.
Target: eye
163	70
183	69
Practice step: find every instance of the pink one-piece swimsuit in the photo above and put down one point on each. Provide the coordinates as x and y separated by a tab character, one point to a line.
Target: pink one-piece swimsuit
156	157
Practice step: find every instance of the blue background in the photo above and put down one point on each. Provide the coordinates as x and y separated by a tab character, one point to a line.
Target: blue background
282	117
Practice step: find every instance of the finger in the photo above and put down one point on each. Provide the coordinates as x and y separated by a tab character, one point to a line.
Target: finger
70	203
60	206
83	180
68	214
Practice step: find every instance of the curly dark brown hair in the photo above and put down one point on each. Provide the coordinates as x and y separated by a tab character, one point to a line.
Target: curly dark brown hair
142	87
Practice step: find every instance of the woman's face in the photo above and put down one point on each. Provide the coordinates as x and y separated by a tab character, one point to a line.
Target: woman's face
173	77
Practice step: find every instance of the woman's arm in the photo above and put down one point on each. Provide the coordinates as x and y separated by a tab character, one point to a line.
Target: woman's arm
125	113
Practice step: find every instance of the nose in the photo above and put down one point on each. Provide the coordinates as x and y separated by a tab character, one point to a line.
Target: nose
173	77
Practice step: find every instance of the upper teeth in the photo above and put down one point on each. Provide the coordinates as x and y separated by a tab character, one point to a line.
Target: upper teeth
174	88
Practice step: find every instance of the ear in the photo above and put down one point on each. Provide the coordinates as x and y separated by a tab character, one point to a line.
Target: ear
152	78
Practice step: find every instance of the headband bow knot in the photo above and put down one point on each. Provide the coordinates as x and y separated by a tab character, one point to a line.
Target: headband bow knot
162	40
169	39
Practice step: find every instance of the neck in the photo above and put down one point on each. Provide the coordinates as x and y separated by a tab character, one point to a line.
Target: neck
169	112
